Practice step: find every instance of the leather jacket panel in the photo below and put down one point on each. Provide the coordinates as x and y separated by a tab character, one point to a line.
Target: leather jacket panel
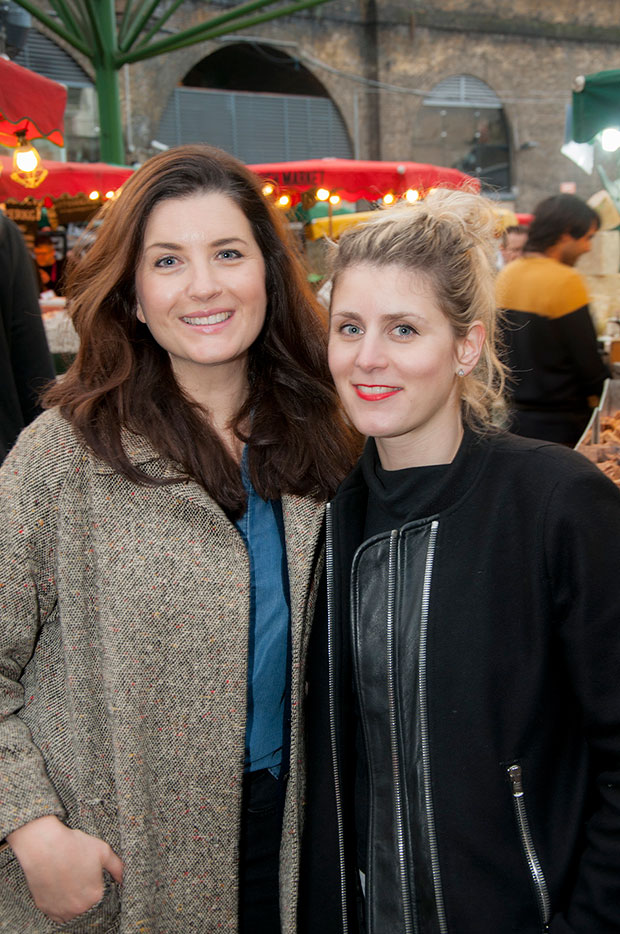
390	585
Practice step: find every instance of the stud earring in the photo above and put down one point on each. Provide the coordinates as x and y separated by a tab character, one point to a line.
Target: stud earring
460	373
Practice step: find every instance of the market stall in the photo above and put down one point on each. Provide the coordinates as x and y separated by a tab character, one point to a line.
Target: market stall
299	188
357	179
95	180
44	203
61	195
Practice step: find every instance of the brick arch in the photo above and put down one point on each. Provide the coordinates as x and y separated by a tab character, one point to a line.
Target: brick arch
258	102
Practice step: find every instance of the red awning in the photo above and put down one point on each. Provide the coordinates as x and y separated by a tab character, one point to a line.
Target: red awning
63	178
354	179
31	104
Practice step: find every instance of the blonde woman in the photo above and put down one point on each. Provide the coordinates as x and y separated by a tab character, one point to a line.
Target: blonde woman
471	654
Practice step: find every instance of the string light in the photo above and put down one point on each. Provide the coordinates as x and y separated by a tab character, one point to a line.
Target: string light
284	201
322	194
27	168
94	196
412	195
389	198
26	159
334	199
268	189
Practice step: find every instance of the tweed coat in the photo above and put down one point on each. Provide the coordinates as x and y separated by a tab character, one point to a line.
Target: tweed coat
123	677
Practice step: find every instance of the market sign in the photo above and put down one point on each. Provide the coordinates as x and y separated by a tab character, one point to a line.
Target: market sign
23	212
297	179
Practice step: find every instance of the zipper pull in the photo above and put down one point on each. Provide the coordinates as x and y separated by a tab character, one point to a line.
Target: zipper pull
515	775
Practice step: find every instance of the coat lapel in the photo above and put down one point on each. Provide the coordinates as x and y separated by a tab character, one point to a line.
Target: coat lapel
303	520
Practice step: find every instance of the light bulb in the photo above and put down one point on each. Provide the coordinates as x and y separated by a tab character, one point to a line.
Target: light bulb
610	139
26	160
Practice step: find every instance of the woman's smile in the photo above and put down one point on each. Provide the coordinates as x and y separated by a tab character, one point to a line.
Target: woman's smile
198	320
375	393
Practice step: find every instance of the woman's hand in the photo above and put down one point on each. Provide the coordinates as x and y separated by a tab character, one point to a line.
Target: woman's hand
63	867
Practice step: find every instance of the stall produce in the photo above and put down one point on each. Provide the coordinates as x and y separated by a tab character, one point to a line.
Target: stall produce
600	442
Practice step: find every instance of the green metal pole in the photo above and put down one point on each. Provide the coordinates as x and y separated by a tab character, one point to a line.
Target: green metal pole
110	122
205	31
106	82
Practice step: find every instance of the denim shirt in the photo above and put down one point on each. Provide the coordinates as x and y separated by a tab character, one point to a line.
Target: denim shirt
268	649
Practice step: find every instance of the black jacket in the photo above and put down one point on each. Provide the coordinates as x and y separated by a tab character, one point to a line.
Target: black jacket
484	641
26	365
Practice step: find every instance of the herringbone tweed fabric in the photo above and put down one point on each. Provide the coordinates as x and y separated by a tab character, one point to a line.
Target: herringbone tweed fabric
123	677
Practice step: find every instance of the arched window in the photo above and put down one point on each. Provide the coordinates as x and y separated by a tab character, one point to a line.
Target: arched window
258	103
462	124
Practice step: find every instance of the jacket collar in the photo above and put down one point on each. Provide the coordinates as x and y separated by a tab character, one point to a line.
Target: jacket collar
459	478
138	449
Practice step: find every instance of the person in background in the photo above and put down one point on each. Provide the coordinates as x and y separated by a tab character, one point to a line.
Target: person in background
557	373
160	548
49	267
26	365
512	243
463	691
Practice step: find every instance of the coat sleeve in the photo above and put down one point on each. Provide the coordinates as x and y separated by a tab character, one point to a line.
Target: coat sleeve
27	599
583	561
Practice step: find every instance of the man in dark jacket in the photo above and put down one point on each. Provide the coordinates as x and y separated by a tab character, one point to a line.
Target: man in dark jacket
25	361
557	372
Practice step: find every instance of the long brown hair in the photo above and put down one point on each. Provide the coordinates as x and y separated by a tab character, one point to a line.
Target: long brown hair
122	379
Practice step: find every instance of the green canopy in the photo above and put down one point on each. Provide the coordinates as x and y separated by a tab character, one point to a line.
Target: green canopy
596	104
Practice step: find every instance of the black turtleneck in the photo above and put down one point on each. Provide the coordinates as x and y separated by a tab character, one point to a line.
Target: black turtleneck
399	496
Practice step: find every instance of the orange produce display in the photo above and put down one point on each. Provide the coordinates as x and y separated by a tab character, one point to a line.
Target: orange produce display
606	452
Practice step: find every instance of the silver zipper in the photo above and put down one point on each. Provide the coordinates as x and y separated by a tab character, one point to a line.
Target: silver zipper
423	706
515	774
329	571
398	805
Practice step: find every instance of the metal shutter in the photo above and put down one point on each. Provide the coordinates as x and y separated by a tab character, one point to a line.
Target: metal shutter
42	55
462	91
255	127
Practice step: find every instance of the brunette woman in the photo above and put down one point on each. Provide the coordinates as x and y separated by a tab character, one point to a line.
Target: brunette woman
160	545
473	605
